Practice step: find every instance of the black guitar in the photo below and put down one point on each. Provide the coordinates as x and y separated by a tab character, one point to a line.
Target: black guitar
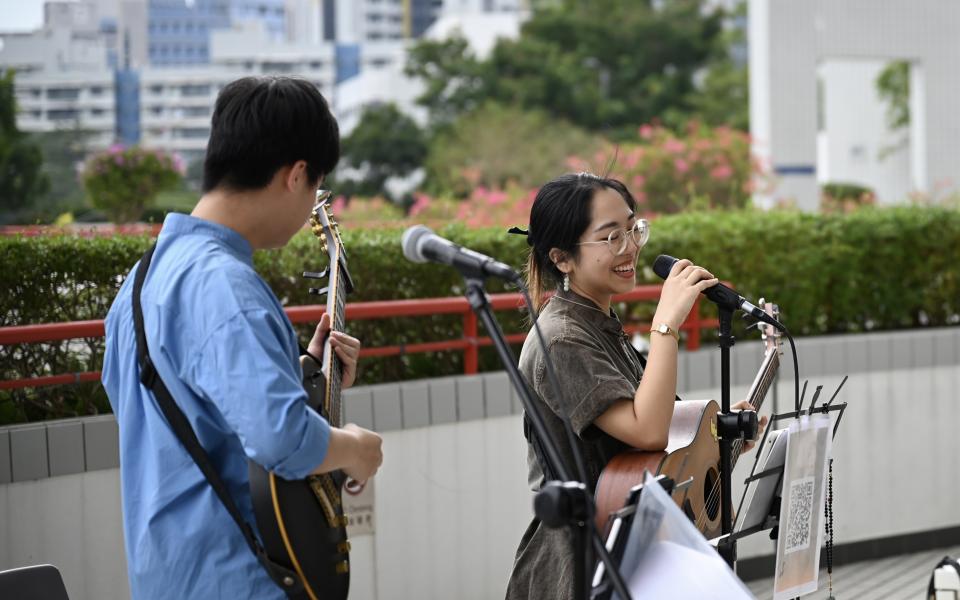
302	522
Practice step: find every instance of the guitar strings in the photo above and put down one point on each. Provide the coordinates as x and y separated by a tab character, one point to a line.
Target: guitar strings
710	506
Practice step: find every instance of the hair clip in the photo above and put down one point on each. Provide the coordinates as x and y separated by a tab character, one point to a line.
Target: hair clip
523	232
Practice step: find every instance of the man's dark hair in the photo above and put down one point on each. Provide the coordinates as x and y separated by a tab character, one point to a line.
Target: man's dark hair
263	123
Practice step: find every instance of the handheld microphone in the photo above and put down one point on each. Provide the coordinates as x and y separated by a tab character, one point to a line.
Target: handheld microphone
720	294
421	244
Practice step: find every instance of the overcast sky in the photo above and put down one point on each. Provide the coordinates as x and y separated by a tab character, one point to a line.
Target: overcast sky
21	15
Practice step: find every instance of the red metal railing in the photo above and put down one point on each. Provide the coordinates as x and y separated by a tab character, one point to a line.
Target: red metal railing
469	344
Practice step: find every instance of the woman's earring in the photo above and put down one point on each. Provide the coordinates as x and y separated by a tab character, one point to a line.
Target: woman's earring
566	282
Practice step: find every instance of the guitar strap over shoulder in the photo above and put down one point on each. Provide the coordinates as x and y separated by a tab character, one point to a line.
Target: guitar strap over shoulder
534	440
285	578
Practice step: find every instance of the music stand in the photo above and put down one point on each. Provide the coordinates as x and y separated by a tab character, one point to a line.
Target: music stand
762	493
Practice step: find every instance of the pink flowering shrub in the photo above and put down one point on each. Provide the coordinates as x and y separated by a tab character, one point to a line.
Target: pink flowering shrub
707	168
123	181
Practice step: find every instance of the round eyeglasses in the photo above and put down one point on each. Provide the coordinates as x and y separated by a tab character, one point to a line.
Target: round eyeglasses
618	239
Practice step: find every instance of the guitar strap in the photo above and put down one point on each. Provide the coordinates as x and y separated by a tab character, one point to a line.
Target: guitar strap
534	440
285	578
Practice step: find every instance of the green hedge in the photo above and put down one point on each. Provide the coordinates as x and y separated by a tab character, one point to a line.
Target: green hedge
870	270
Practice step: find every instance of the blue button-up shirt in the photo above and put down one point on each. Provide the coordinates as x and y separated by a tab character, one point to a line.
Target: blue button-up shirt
229	356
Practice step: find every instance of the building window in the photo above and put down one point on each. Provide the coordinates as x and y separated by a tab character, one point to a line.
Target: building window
192	133
96	112
36	114
61	115
156	89
194	90
316	65
196	111
63	93
96	91
157	111
277	67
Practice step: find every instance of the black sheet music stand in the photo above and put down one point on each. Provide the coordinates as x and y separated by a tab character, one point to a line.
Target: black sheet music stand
773	514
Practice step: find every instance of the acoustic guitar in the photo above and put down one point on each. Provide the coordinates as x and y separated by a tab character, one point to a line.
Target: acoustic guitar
302	522
692	451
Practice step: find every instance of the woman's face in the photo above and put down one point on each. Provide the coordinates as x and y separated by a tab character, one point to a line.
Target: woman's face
597	273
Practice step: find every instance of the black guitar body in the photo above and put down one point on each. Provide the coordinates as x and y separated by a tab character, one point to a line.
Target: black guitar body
307	544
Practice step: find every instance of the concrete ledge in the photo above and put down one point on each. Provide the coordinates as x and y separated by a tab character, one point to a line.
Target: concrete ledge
50	449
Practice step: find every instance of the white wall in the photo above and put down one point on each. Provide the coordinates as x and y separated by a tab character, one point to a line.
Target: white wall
452	500
857	141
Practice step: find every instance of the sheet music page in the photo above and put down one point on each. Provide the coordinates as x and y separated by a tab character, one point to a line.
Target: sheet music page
801	511
666	557
759	494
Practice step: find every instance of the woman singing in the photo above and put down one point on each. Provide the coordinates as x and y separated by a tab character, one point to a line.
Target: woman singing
584	238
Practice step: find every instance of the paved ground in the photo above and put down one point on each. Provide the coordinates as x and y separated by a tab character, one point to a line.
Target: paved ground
902	577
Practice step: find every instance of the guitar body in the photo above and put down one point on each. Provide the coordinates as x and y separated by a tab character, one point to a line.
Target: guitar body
301	522
692	451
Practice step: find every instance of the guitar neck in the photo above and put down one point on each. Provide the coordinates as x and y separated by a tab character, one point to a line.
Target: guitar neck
758	390
335	307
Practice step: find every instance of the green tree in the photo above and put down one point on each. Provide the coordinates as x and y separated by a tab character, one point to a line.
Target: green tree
385	143
893	87
454	78
496	145
122	182
21	179
721	96
606	65
63	152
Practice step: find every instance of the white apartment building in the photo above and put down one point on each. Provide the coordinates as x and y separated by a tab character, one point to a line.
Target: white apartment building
47	102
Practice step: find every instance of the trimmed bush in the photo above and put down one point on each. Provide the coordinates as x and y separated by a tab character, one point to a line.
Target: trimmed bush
873	269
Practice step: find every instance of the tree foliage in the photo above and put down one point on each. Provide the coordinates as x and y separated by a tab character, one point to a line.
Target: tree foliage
605	65
893	87
123	181
21	179
498	145
385	143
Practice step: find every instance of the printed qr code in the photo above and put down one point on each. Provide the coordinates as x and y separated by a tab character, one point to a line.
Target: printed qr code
799	515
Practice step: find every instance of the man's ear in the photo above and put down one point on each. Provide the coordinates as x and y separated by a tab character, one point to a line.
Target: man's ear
561	259
296	176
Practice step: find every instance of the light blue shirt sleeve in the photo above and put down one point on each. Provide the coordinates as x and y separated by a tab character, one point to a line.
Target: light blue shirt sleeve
244	367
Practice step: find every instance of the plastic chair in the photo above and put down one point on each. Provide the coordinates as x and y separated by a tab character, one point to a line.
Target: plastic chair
38	582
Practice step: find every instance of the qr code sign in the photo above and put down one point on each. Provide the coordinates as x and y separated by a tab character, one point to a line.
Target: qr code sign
799	515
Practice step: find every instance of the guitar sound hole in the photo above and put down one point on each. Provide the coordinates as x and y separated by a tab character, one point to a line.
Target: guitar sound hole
711	494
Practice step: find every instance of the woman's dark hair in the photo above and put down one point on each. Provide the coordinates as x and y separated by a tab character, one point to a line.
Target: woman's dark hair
559	216
260	124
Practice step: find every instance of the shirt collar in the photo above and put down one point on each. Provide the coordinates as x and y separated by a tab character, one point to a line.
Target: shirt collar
588	311
180	224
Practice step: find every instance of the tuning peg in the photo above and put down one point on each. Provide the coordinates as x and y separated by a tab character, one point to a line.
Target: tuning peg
319	291
315	275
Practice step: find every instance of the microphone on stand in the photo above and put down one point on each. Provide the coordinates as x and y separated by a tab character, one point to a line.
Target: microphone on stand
720	294
420	244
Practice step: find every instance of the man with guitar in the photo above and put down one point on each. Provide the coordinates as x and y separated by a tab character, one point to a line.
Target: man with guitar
217	338
585	239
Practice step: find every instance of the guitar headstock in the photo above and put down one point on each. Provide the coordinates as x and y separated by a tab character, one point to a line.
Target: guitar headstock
327	229
769	333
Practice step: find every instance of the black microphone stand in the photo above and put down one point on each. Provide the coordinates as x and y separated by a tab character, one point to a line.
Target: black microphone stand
557	504
730	426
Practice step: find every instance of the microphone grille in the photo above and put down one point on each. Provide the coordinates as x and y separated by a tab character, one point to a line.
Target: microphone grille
410	242
663	264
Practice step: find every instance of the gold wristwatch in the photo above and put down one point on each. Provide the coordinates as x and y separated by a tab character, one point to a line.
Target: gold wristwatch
664	329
